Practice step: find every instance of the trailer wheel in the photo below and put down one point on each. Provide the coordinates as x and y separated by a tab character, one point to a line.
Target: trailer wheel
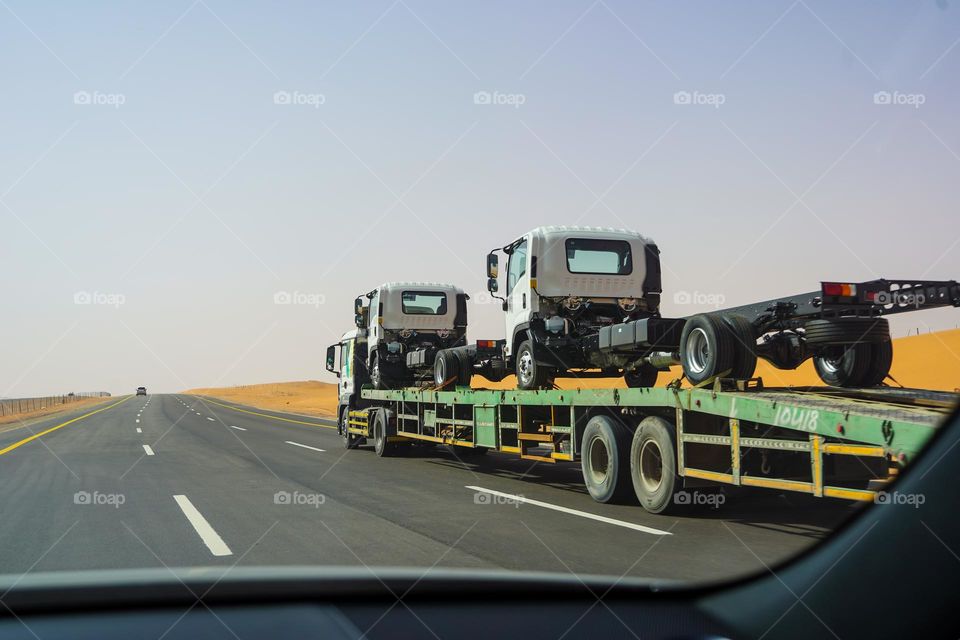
644	376
653	464
605	459
846	330
706	348
350	441
446	366
745	346
881	357
844	366
381	434
530	375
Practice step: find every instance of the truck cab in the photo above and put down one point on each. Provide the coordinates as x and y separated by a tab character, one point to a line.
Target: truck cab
404	324
563	286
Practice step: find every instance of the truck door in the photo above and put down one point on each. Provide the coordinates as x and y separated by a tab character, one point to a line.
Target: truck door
518	291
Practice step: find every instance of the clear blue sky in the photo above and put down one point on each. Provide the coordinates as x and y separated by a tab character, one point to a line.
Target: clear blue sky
145	157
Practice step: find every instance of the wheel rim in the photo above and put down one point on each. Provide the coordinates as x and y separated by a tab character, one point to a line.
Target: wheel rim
375	372
651	466
525	367
698	350
599	461
440	372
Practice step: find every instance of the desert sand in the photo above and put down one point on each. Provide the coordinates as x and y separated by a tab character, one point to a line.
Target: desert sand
930	361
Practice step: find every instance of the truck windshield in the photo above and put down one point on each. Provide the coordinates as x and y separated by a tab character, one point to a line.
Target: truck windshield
424	303
607	257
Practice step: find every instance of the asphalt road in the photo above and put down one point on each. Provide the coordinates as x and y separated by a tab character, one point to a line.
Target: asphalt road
175	480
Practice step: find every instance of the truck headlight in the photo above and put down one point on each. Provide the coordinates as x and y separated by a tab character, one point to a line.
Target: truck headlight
572	303
628	304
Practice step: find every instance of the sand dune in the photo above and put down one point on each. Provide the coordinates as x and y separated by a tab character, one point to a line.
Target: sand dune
930	361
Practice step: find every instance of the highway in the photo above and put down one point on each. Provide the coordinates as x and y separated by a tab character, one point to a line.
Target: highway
178	480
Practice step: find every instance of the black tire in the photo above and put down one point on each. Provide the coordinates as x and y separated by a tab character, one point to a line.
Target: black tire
446	369
605	460
844	366
378	373
464	368
381	434
653	464
881	357
350	441
846	331
644	376
744	347
530	375
706	348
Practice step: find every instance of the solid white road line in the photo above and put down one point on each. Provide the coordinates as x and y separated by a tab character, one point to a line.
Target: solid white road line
297	444
139	430
210	537
148	450
237	428
575	512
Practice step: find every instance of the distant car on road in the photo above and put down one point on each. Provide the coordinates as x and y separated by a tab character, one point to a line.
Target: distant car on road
141	391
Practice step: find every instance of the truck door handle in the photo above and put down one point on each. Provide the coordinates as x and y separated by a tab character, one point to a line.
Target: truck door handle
524	301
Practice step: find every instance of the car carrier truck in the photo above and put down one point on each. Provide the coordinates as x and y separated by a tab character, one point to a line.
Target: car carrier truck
585	302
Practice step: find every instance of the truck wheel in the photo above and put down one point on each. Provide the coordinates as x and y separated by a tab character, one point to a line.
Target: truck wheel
844	366
530	375
706	348
464	368
605	459
446	367
744	347
381	434
645	376
653	464
846	330
881	357
378	376
350	441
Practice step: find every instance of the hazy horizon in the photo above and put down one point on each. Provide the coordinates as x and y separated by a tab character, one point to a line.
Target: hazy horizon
192	194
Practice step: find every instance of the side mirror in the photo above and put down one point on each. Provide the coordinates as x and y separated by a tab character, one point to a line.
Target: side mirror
358	320
492	265
492	285
332	359
358	306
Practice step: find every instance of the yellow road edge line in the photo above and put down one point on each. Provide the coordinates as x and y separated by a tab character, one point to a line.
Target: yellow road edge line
13	446
266	415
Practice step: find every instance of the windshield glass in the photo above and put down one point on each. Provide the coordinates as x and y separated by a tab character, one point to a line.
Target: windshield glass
698	358
424	303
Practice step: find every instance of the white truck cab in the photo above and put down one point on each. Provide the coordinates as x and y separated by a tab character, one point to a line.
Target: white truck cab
405	323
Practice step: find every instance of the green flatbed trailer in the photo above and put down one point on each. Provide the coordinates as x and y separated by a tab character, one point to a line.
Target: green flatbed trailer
823	441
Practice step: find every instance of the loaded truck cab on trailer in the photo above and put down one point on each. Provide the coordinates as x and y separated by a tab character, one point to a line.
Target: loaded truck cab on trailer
585	302
404	324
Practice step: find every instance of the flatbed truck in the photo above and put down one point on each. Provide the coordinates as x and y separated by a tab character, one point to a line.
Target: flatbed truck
654	444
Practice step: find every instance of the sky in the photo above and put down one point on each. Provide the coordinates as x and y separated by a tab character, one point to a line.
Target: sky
193	192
